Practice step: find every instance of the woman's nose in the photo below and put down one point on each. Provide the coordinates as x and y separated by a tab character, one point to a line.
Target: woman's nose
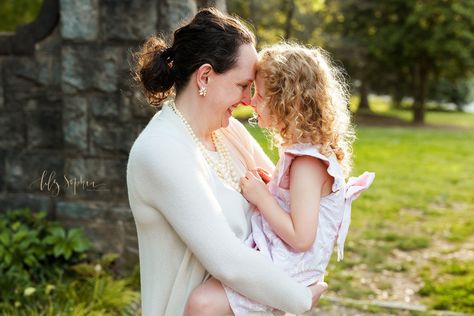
246	97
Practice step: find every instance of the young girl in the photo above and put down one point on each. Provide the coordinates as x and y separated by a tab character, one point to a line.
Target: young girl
305	208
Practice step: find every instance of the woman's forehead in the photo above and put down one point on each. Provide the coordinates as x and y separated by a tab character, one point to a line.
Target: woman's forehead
246	62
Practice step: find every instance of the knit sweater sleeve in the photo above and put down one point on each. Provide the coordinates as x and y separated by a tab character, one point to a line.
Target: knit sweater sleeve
168	181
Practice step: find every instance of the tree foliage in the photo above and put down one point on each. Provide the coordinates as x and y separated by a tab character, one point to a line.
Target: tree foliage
407	46
276	20
14	13
397	47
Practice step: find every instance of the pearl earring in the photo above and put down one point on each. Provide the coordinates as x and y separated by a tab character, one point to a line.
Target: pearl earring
202	91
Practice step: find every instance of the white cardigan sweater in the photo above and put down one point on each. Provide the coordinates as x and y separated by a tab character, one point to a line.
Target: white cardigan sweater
190	223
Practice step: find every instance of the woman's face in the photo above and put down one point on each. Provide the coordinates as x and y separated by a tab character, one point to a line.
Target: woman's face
232	88
259	105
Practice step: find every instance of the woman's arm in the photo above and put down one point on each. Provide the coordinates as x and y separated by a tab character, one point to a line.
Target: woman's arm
171	180
298	228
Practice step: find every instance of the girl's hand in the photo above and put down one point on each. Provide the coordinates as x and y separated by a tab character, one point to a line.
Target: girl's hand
253	187
264	174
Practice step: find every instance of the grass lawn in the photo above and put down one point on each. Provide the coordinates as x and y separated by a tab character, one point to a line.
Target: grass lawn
412	233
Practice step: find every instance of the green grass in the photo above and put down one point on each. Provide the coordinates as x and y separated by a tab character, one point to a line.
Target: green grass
422	197
242	112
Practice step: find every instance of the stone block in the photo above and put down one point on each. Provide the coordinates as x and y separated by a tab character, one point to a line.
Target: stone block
106	178
128	19
107	236
90	67
219	4
33	202
2	98
84	179
110	235
75	123
12	126
108	137
121	212
3	154
23	68
19	97
22	74
104	105
172	13
80	19
49	101
44	129
48	70
42	69
51	45
34	173
136	105
80	210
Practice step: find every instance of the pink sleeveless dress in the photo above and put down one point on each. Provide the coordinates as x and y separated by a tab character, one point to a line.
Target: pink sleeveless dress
334	218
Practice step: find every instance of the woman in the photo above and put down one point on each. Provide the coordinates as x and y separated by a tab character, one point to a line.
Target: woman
184	169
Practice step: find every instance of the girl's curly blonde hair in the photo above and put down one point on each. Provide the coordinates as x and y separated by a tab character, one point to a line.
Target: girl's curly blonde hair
307	99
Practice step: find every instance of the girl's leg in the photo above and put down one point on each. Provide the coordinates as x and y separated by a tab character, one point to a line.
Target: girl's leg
208	299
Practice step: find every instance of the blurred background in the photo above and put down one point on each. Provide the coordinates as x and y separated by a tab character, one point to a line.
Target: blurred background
67	105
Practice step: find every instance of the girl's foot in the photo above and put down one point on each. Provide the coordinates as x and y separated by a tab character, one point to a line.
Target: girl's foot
318	289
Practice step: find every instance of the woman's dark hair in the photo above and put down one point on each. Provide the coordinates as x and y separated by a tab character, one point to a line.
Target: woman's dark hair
211	37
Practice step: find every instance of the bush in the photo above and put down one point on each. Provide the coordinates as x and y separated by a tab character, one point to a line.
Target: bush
34	250
44	271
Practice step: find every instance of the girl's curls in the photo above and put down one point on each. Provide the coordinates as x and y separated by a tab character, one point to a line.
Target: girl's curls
307	99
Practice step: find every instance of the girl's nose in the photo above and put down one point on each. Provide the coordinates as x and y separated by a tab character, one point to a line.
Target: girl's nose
253	102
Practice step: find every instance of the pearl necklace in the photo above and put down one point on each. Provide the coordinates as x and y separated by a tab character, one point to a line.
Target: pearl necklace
223	166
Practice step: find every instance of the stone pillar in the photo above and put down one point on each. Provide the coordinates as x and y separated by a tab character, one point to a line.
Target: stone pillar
69	114
219	4
172	13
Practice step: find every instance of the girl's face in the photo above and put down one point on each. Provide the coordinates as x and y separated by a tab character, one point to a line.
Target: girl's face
259	104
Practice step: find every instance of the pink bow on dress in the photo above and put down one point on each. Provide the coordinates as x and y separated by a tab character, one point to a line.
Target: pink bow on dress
354	187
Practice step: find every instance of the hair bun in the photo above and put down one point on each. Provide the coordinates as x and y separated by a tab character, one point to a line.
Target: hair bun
168	54
154	71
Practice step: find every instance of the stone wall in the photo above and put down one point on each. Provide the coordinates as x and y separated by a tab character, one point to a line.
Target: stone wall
69	114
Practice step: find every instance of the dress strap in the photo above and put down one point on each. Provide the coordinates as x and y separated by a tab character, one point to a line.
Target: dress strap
288	155
354	187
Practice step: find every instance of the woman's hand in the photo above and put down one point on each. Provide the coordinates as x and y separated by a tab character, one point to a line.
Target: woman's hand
254	188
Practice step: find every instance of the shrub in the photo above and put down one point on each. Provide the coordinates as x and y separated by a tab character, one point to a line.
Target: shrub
43	271
33	250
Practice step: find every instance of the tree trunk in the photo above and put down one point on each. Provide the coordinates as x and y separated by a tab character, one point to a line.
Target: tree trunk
252	12
420	80
364	96
289	18
397	97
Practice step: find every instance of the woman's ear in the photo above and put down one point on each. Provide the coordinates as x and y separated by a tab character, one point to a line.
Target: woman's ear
203	75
